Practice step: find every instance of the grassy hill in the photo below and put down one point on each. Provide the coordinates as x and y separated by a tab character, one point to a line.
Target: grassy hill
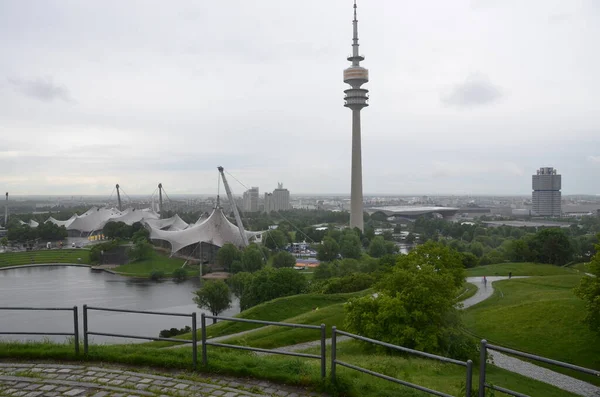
64	255
519	269
539	315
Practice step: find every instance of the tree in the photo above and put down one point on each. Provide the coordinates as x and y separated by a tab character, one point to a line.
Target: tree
350	245
476	248
416	304
328	250
391	248
589	291
239	282
552	246
213	296
410	238
283	259
469	260
275	239
377	247
227	254
141	249
269	283
252	258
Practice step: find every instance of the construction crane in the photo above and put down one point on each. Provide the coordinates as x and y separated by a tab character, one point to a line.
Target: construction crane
236	213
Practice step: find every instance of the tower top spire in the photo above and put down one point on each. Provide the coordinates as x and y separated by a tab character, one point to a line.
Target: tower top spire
355	57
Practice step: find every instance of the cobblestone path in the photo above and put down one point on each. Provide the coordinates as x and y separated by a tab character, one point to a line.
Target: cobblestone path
54	380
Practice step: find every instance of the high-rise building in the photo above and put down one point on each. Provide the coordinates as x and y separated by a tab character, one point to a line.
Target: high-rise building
546	196
279	200
250	201
356	98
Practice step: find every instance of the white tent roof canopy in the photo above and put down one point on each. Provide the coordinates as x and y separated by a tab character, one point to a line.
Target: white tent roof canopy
215	230
95	218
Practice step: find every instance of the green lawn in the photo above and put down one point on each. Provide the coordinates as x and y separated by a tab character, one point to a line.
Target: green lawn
539	315
64	255
280	309
519	269
276	336
158	262
582	267
433	374
287	370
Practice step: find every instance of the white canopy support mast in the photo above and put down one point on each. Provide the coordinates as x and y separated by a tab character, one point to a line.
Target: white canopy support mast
236	213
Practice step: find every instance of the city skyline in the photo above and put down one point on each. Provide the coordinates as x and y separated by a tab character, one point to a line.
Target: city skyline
97	94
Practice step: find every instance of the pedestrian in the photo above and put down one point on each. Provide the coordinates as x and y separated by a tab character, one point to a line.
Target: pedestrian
484	281
509	275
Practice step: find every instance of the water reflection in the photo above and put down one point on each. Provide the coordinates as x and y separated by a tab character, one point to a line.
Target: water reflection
65	286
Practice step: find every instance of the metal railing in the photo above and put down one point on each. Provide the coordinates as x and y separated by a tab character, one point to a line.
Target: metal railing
86	331
482	367
334	361
74	334
205	342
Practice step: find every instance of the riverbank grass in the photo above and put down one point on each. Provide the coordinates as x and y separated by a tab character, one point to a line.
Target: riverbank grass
539	315
64	255
519	269
158	262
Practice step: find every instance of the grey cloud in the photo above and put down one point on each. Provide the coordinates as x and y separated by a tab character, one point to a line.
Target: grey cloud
475	90
43	89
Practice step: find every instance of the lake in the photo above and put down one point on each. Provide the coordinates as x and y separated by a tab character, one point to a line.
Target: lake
68	286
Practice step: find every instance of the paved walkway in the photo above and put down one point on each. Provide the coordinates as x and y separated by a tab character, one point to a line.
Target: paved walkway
54	380
525	368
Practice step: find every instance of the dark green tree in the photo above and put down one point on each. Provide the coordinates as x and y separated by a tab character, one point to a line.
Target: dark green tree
239	282
552	246
275	239
269	283
328	250
377	247
226	255
416	304
350	245
252	258
283	259
213	296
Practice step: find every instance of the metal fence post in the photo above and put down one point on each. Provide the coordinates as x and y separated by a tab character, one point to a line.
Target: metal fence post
469	386
85	330
203	326
333	347
194	342
76	329
482	356
323	351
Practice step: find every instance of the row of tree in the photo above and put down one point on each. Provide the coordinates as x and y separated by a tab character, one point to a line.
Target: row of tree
45	231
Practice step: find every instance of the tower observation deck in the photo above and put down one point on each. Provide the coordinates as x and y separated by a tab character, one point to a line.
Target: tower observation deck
356	98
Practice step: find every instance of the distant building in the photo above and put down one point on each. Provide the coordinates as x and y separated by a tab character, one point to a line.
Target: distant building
546	197
279	200
251	200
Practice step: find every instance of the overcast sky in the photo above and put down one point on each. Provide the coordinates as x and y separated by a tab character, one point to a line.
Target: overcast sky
467	96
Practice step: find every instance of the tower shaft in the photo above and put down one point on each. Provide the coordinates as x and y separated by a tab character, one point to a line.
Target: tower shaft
356	98
356	189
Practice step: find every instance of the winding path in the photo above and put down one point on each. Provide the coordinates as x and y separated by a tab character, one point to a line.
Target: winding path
484	291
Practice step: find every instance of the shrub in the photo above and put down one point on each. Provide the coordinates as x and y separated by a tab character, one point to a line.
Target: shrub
169	333
157	275
179	275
